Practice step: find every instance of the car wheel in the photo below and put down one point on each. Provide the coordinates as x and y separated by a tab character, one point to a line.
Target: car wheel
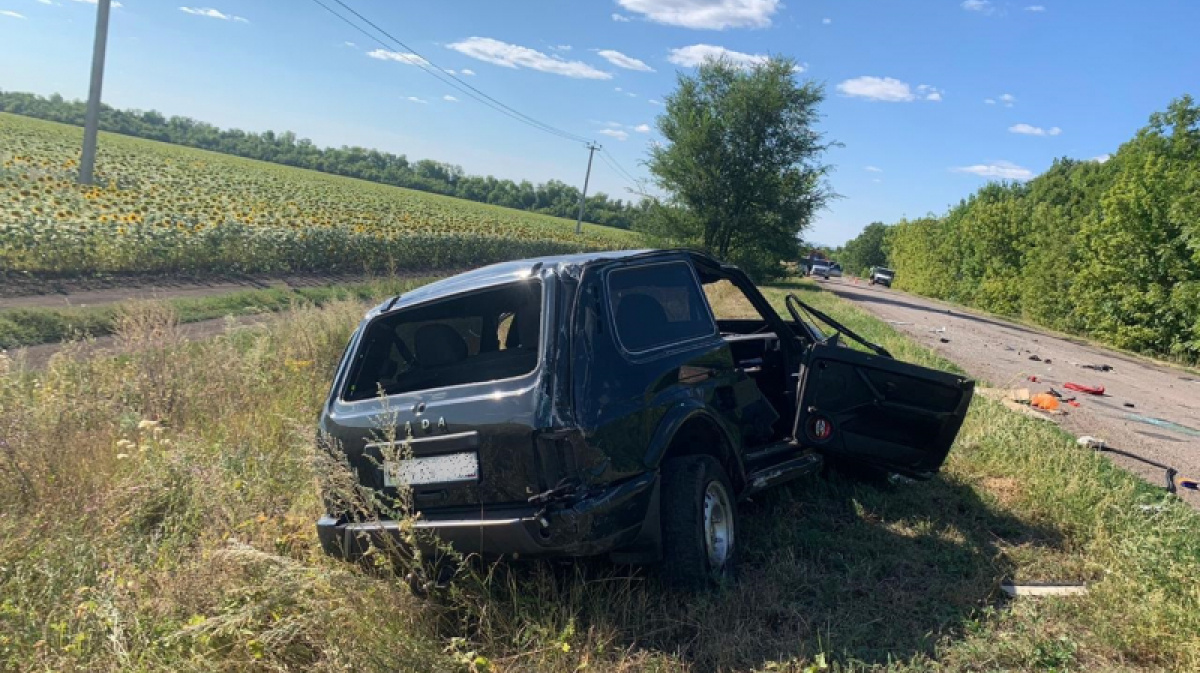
699	522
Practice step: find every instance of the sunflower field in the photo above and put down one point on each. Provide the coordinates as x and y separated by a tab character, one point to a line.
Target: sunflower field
158	208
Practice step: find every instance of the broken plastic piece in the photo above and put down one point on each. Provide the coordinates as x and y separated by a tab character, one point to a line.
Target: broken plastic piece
1040	589
1044	401
1091	442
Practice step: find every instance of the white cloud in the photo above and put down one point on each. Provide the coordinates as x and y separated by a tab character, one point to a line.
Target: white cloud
561	47
397	56
1005	170
989	101
620	18
350	44
622	61
984	6
654	102
449	99
1029	130
414	99
11	14
694	55
929	93
615	133
826	21
887	89
876	180
642	128
90	2
1035	8
466	71
874	169
515	56
1102	158
706	14
1008	99
208	12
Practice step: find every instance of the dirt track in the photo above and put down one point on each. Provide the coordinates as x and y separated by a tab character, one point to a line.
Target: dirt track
998	352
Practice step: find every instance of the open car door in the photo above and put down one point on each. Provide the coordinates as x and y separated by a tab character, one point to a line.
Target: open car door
872	409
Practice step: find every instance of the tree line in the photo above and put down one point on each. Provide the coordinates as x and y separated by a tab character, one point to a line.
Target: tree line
551	198
1108	249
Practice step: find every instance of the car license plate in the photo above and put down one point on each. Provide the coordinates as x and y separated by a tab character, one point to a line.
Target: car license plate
443	469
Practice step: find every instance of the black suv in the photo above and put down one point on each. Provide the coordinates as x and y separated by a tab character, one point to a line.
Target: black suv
592	404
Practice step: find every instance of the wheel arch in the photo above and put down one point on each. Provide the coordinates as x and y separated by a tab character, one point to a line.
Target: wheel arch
696	430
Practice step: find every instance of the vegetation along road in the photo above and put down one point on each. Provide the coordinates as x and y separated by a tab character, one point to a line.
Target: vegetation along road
1147	409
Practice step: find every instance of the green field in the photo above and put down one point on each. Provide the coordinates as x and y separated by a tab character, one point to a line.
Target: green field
156	514
163	208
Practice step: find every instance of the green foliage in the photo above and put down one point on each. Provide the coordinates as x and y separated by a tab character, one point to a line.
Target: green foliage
1111	250
551	198
740	159
864	251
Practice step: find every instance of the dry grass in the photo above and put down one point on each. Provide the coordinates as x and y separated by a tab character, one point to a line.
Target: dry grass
156	513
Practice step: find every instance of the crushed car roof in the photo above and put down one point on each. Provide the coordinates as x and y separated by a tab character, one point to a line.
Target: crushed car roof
495	274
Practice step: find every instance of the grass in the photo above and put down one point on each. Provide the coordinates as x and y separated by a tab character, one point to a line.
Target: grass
156	513
159	208
32	326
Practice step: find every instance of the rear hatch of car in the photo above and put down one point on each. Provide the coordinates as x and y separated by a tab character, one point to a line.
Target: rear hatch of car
441	398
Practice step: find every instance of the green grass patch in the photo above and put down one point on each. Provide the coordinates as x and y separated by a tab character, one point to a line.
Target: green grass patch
187	543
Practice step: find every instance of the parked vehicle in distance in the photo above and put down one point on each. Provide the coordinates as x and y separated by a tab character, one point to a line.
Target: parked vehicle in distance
881	276
827	270
592	404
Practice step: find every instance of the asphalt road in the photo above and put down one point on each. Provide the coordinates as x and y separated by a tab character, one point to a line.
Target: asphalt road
1148	409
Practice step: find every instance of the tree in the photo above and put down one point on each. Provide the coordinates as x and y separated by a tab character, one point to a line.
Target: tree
741	161
865	250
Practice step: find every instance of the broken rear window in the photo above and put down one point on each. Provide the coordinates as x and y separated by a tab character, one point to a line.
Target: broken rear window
480	337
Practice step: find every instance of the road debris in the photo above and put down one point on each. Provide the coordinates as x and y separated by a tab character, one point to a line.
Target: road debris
1044	589
1044	401
898	322
1099	368
944	340
1129	404
940	330
1169	425
1174	481
1035	358
1079	387
1020	400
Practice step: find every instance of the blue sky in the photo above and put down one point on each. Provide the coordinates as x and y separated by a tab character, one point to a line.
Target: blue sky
931	98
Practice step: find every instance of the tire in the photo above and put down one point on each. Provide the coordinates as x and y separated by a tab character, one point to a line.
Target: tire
692	486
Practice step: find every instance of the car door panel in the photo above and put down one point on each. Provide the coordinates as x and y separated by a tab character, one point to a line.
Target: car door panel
879	411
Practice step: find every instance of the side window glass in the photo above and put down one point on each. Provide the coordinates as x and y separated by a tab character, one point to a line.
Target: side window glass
657	305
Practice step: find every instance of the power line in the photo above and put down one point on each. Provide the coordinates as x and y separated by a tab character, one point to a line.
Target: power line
441	75
635	184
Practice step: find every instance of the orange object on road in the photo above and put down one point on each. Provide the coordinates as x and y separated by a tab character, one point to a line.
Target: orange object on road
1044	401
1079	387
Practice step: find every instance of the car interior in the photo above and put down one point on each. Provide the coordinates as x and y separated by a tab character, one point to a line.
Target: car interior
483	336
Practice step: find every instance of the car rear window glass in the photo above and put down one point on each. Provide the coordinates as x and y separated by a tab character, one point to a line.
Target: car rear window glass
657	305
475	338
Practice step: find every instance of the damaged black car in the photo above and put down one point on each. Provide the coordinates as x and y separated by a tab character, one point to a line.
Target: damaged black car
593	404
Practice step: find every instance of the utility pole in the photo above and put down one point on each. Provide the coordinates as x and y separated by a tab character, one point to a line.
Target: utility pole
92	122
592	147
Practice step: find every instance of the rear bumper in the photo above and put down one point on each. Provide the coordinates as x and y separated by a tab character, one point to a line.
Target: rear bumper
601	522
